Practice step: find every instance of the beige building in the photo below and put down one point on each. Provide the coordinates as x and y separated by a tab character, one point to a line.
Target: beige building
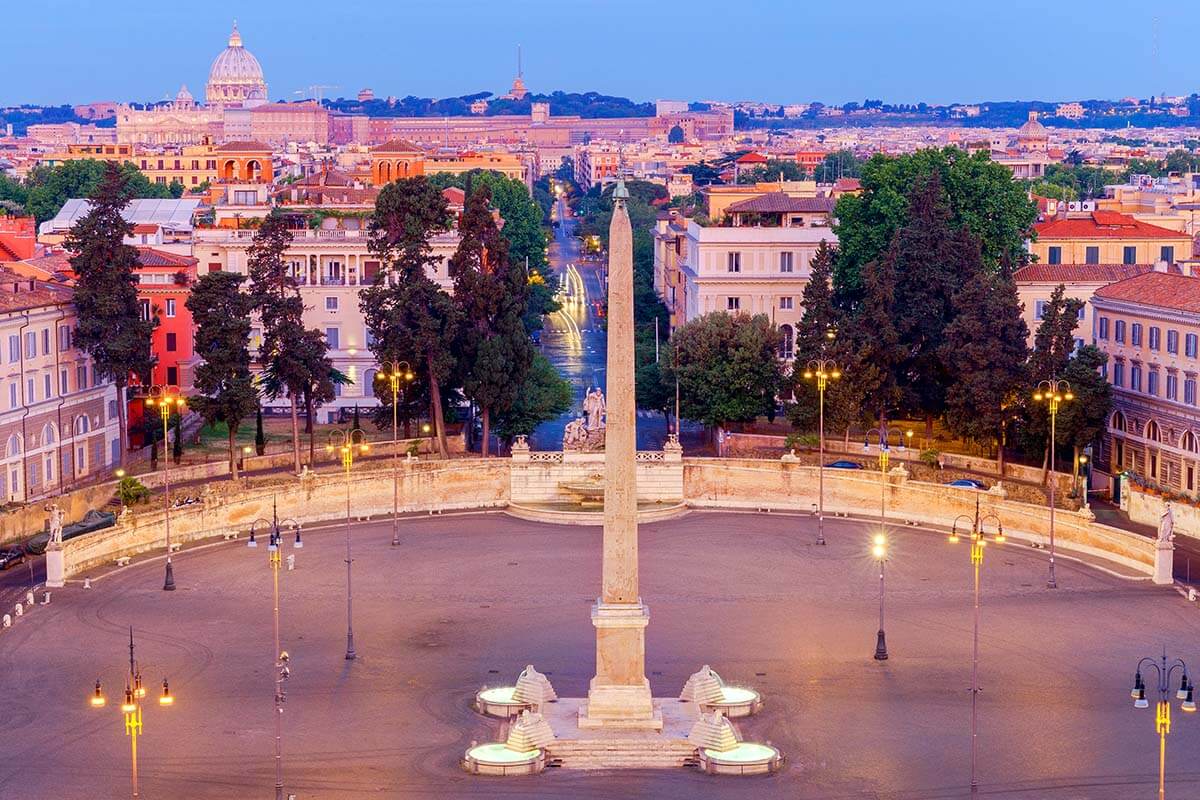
1036	282
1149	325
1106	237
58	423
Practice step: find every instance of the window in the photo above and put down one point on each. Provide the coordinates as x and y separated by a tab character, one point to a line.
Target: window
786	341
1172	341
30	394
1102	328
1190	345
1135	334
1155	337
173	376
62	382
144	309
1152	382
1189	391
1172	387
45	341
1135	378
13	402
47	386
733	262
1055	255
1091	255
785	303
1129	255
331	336
733	303
64	339
1039	309
112	409
14	348
31	345
170	307
331	304
1119	331
1167	254
786	262
80	378
171	344
214	266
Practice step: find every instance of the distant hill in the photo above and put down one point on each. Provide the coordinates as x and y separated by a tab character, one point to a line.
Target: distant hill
591	105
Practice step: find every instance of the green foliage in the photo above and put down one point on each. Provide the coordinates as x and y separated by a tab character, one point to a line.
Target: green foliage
675	135
177	443
1083	419
727	366
930	458
840	164
1054	340
544	396
131	491
260	436
48	188
790	170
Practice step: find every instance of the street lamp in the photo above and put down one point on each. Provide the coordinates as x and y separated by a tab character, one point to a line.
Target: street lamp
1162	715
978	542
823	370
282	671
1052	392
399	374
346	442
166	398
1081	469
879	552
884	432
131	708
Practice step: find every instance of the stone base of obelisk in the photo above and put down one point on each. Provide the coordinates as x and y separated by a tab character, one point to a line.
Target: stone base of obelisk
619	695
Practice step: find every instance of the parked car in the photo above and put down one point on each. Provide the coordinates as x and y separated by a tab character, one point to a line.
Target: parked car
968	483
11	557
844	465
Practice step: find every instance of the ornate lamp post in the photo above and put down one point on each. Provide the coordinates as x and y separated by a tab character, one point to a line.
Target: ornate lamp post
399	374
131	708
345	443
166	398
879	552
282	671
884	432
978	542
1162	715
1052	392
823	370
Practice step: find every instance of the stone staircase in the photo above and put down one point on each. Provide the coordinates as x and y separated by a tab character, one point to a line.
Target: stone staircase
621	752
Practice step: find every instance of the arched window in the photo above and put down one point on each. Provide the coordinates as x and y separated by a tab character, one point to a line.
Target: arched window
48	434
1189	442
786	341
82	424
14	446
1152	431
1118	422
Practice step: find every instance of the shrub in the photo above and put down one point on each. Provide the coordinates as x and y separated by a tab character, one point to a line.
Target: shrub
930	457
132	491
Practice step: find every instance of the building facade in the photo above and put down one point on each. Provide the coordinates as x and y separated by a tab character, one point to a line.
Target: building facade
1107	237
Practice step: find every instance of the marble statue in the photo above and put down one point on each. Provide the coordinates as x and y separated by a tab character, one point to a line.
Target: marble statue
575	434
594	405
56	524
1166	525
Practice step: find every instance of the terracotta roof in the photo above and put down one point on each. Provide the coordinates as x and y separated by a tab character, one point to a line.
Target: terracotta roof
331	176
146	227
149	257
243	147
454	195
18	293
1103	225
752	158
781	203
396	146
1159	289
1079	273
847	185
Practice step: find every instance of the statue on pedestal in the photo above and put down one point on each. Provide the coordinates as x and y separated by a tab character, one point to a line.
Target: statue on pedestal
594	405
56	525
1166	527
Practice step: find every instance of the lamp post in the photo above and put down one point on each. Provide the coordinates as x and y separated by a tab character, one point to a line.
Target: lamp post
1081	469
345	442
884	432
399	373
823	370
978	542
1052	392
280	657
879	551
1162	714
166	398
131	708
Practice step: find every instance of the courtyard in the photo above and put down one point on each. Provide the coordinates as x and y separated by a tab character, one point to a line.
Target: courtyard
470	599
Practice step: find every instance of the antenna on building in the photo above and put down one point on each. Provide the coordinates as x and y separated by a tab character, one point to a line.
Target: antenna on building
1154	60
519	73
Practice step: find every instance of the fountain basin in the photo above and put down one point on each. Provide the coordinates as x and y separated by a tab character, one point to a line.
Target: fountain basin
736	702
499	701
497	759
747	758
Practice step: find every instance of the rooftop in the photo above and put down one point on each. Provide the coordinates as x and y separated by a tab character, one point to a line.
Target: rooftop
781	203
175	215
1103	225
1079	273
1158	289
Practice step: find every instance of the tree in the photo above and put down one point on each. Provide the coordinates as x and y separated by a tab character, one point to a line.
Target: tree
727	366
543	396
409	317
772	171
110	328
320	380
275	295
221	314
675	135
490	294
1083	419
48	188
1054	340
177	445
986	346
260	436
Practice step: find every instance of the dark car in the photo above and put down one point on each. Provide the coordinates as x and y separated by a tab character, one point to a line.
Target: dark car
844	465
11	557
968	483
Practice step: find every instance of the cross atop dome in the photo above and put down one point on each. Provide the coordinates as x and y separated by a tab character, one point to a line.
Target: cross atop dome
235	38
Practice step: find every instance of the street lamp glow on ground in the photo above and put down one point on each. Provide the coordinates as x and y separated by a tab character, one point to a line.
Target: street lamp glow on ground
1052	392
399	375
822	370
879	553
978	542
1162	714
166	399
346	443
131	708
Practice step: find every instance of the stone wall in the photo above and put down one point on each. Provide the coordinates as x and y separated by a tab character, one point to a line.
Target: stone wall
24	521
539	477
1148	510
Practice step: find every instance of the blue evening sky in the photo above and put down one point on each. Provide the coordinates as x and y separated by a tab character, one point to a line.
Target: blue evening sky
73	51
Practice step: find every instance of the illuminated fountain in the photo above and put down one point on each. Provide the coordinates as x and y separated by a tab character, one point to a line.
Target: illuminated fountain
706	689
531	692
722	753
522	753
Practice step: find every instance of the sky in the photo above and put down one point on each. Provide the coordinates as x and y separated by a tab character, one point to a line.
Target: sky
900	51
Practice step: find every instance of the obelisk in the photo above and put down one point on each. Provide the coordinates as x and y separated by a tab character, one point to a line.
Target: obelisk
619	695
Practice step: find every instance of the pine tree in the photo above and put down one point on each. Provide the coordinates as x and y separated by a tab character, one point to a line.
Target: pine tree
876	351
490	296
221	313
260	436
110	327
177	445
1054	341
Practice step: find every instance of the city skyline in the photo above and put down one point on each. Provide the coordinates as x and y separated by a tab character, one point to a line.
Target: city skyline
569	48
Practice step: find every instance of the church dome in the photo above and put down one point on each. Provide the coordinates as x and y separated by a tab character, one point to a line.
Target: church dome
236	78
1033	129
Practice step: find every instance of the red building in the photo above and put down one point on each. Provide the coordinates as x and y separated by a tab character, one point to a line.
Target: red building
18	238
164	283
